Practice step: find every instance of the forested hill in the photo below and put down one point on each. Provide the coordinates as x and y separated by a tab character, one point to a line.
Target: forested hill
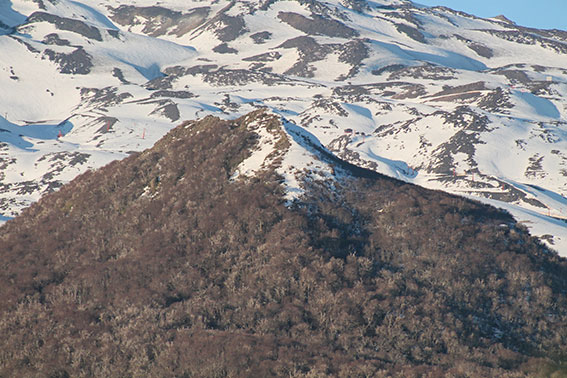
169	263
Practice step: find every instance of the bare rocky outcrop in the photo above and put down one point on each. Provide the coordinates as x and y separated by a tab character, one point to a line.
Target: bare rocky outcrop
158	20
67	24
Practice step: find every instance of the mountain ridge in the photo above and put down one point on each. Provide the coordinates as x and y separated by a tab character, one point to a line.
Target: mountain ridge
166	263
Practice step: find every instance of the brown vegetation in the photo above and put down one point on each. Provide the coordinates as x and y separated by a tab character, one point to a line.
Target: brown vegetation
160	265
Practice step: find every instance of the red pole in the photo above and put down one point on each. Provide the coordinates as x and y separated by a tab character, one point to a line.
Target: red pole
107	125
60	134
144	134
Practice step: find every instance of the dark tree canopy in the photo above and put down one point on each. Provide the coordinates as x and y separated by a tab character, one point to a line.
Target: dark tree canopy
161	265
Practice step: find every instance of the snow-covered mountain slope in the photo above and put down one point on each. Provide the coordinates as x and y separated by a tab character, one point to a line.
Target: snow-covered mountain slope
432	96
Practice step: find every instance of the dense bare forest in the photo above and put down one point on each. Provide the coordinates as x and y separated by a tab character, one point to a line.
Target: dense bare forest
160	265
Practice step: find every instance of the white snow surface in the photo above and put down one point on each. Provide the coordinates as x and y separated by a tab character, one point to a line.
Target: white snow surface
438	98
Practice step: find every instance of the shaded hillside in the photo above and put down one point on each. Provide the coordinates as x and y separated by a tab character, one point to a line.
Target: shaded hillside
161	265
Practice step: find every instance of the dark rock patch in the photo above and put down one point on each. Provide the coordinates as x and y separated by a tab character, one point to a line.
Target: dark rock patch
306	45
528	38
464	117
461	97
224	77
71	158
317	25
318	7
411	91
359	6
54	39
389	68
426	71
463	141
330	106
117	73
265	57
165	82
233	27
511	194
223	48
480	49
353	53
366	93
354	93
40	4
535	169
158	20
78	62
449	90
406	14
227	105
261	37
168	110
395	128
201	69
175	72
556	34
495	101
411	32
541	88
515	76
504	19
309	51
114	33
173	94
28	187
68	24
301	69
107	124
104	97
